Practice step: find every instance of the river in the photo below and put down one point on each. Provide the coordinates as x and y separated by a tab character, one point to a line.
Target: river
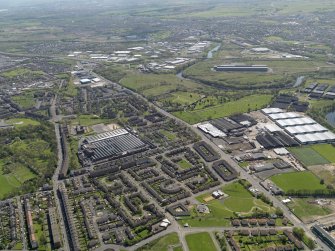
209	56
212	51
299	81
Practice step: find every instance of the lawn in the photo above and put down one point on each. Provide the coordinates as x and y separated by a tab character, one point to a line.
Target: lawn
308	156
252	102
305	210
239	201
184	164
200	242
298	181
20	122
168	135
162	244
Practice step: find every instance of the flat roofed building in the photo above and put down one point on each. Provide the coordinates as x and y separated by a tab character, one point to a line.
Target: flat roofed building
272	110
212	130
285	115
322	137
295	122
241	68
294	130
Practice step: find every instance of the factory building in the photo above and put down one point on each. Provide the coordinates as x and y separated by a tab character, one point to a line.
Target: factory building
302	128
241	68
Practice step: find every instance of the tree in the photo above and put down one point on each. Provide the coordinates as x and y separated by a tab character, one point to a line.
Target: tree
299	233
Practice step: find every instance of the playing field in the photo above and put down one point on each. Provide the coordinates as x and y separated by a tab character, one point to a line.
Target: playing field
239	201
163	244
200	242
19	122
306	208
9	182
298	181
242	105
314	155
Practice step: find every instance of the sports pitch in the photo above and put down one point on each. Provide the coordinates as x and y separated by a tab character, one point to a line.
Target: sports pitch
314	155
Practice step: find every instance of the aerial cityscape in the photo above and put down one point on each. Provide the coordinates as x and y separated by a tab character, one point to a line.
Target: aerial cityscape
177	125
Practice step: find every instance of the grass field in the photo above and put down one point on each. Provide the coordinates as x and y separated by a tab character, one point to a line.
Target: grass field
155	85
19	72
305	210
326	150
20	122
163	244
89	120
243	105
200	242
298	181
18	175
314	155
325	173
183	98
239	201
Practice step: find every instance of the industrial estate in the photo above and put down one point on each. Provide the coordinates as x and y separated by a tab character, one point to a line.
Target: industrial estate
177	126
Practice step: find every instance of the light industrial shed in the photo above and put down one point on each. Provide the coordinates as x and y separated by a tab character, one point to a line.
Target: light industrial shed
284	115
295	122
294	130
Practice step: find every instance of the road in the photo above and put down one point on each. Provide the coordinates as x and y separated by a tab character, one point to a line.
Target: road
243	174
55	182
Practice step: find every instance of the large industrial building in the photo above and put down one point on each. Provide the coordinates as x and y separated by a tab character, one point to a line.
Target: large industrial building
111	145
248	68
302	128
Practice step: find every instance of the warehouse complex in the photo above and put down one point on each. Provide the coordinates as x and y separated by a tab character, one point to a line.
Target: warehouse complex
113	144
302	128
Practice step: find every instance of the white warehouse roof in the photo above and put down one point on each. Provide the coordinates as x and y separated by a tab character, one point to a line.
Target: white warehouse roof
295	122
212	130
316	137
272	110
284	115
293	130
272	128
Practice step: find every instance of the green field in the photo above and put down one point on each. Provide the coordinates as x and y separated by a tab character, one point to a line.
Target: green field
13	180
152	85
89	120
200	242
20	122
163	244
183	98
314	155
305	210
326	150
239	201
19	72
298	181
249	103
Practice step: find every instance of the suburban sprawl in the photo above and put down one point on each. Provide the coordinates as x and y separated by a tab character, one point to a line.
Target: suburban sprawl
175	125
